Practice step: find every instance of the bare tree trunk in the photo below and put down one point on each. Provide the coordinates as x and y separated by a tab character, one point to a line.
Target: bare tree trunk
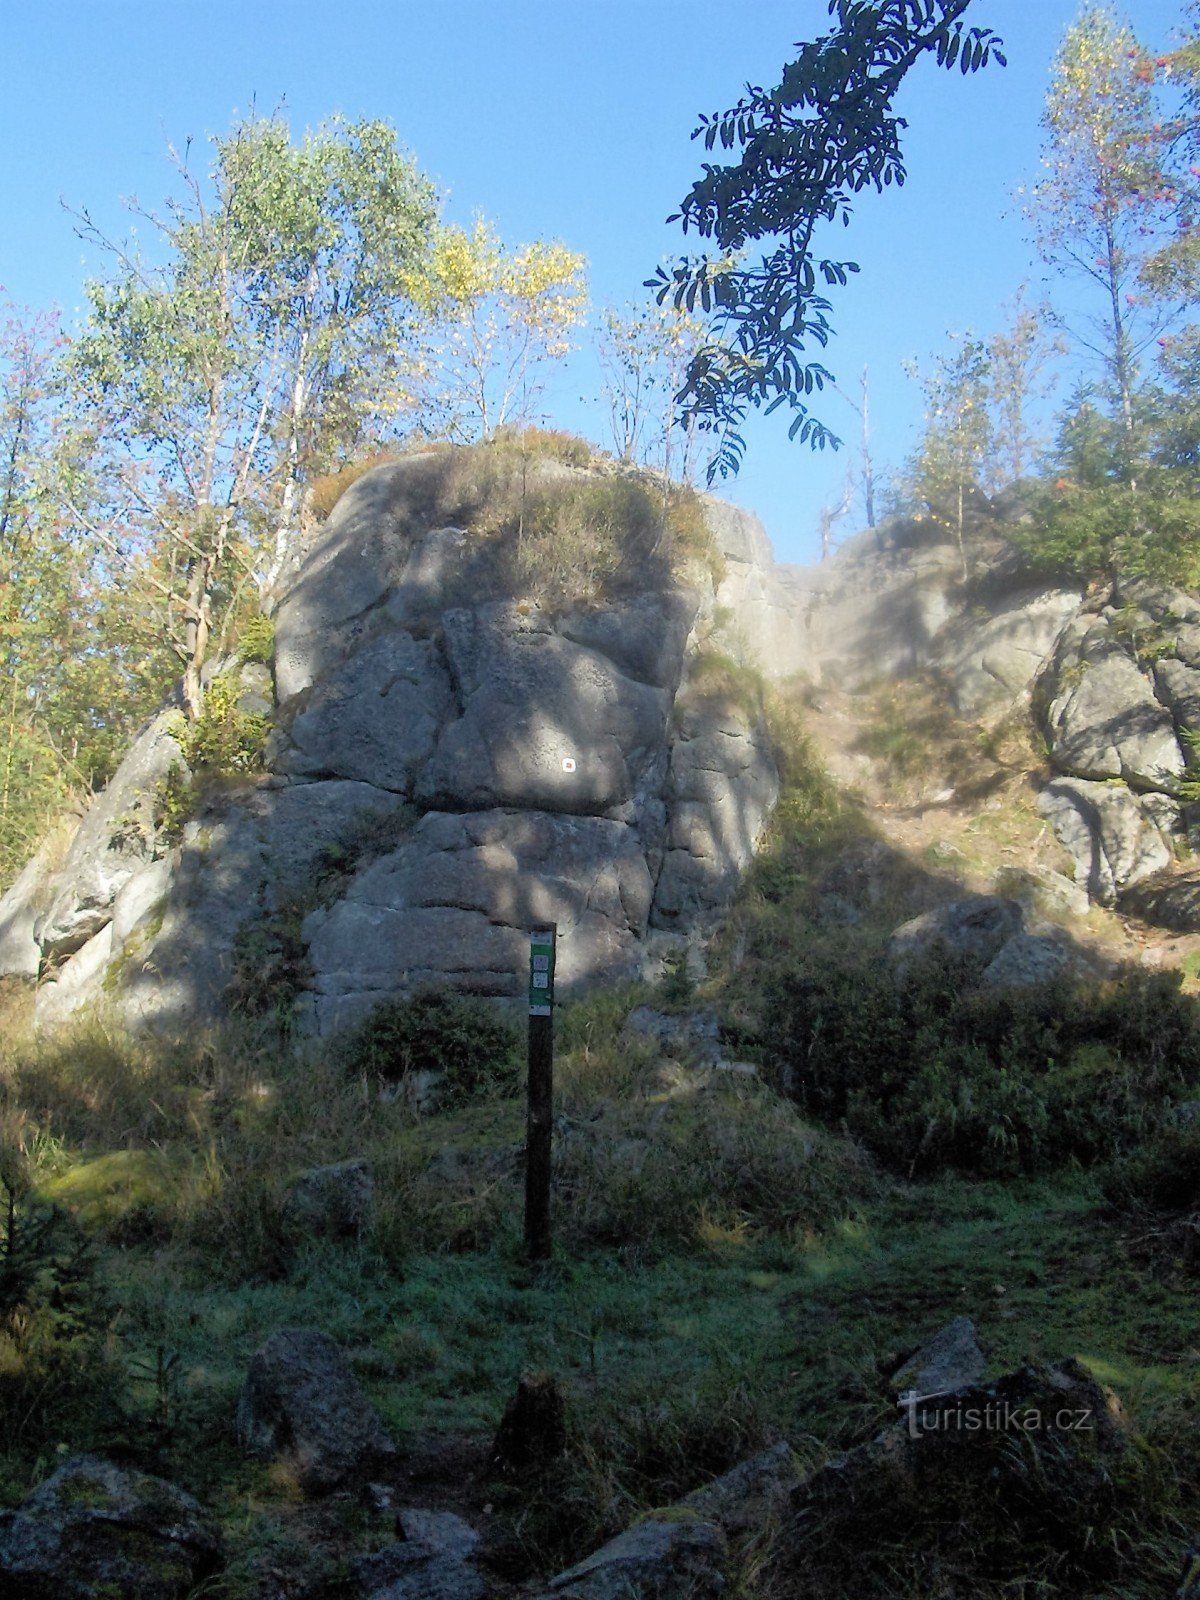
868	464
834	513
1122	365
198	632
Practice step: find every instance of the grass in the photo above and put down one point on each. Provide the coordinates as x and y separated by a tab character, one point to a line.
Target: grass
725	1273
741	1308
548	521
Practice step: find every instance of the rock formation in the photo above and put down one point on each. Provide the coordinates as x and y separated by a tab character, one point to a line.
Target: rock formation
512	758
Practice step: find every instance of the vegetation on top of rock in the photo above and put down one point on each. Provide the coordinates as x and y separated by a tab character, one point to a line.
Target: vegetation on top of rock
1117	506
224	738
256	639
581	536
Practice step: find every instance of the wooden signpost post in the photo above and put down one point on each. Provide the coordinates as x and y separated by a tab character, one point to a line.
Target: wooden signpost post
541	1092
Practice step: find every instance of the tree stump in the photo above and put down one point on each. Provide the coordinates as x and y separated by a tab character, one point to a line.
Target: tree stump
533	1430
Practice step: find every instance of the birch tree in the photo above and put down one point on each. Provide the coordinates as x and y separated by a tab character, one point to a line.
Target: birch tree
644	354
268	324
502	317
958	439
1101	203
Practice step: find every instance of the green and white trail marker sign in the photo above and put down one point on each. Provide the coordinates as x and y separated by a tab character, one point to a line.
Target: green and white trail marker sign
541	972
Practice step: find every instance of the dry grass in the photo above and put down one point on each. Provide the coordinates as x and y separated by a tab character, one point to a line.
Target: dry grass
548	521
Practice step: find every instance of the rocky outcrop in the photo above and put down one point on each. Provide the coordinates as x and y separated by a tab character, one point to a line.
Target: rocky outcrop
991	660
453	757
669	1558
335	1201
536	763
721	788
455	904
1120	703
977	1474
115	842
972	931
433	1561
23	906
1103	718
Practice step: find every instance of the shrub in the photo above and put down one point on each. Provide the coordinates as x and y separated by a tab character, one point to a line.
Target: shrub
544	444
1158	1185
224	738
940	1074
53	1322
589	539
257	641
1108	529
270	963
1163	1174
475	1049
174	802
717	1160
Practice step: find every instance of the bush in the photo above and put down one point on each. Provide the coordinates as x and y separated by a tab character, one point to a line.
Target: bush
54	1368
939	1074
224	738
257	641
1160	1181
476	1050
1109	530
270	963
544	444
715	1161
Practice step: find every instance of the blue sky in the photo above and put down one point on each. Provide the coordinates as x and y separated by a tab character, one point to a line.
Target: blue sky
566	119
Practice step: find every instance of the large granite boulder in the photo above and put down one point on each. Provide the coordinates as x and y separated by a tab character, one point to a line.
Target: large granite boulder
546	723
875	611
1112	841
1103	718
254	856
301	1404
990	661
536	761
94	1529
116	840
76	981
983	1479
721	789
456	901
1167	899
376	720
665	1557
971	932
21	907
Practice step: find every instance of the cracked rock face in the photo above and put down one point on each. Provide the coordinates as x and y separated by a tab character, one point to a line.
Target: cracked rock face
452	762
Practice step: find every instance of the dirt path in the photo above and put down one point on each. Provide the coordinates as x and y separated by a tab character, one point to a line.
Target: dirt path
959	799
